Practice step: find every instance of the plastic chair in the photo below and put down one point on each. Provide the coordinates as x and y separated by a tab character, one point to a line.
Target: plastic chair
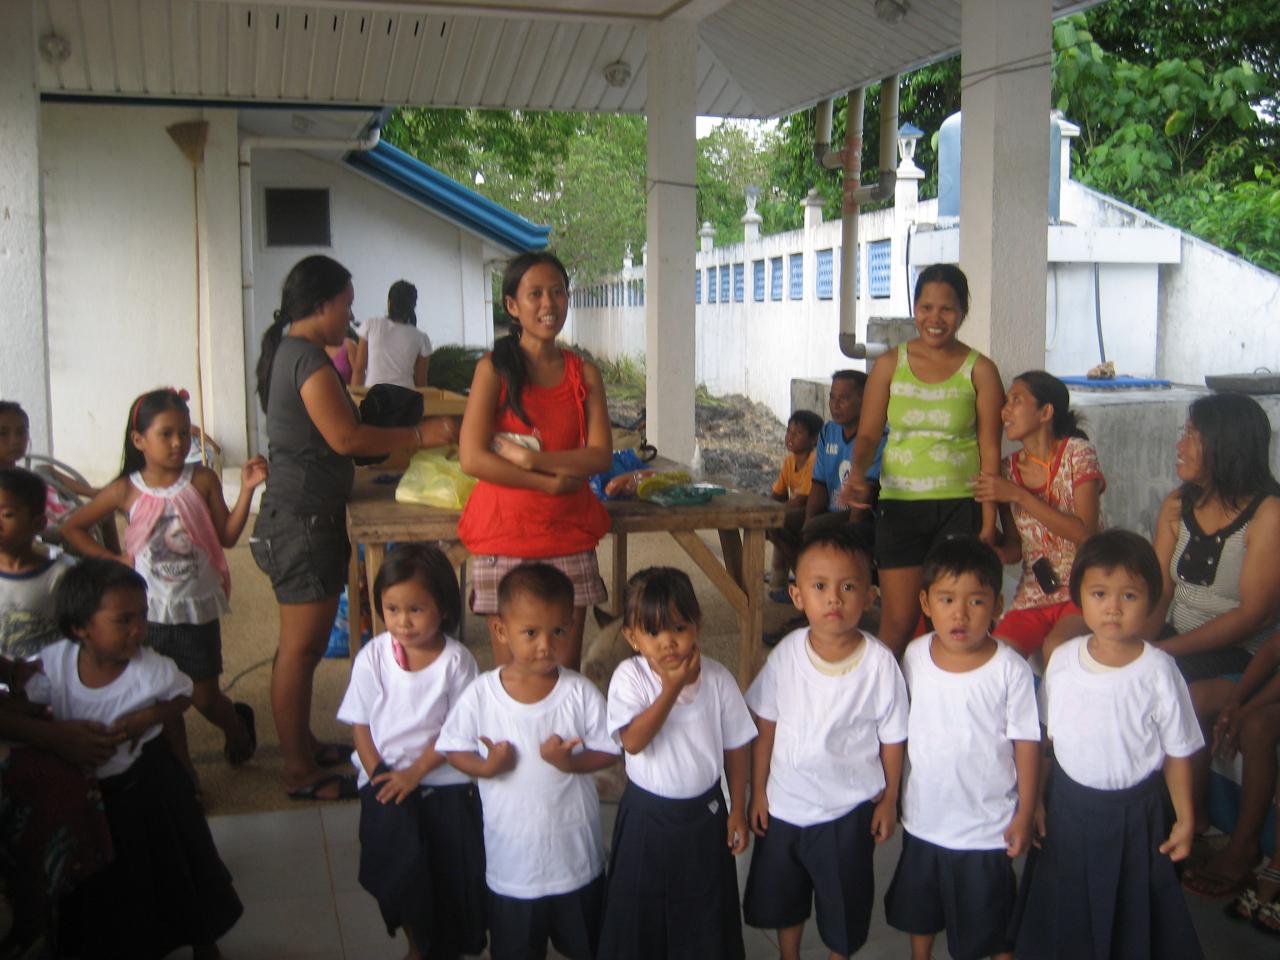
51	471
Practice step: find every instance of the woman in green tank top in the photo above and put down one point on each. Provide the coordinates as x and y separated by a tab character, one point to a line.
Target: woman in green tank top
941	401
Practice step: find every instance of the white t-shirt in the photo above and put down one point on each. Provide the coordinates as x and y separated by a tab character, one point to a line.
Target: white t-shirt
961	786
147	680
686	756
394	348
405	709
826	751
27	619
1112	730
541	826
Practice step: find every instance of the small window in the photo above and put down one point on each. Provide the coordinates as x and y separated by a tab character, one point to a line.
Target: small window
879	268
697	286
795	264
775	278
739	281
824	274
640	292
757	280
711	284
297	218
724	283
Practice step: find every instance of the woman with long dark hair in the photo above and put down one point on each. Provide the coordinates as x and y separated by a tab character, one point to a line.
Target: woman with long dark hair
536	427
392	349
300	539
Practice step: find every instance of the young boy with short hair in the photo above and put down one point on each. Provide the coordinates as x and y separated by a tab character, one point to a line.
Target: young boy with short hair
792	488
532	733
973	745
831	708
28	574
835	454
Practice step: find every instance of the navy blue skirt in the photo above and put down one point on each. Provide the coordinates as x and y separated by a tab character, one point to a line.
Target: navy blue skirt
673	886
423	861
1099	888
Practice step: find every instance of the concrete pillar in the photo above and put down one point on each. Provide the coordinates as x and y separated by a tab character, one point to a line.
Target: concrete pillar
1004	55
707	237
751	220
812	204
671	221
24	363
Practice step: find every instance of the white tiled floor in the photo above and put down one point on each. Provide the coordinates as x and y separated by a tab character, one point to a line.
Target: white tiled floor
296	873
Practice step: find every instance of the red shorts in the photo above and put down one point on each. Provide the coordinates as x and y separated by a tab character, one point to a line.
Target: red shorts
1027	628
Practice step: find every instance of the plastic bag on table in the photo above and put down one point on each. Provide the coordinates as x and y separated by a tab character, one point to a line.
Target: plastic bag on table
435	478
624	461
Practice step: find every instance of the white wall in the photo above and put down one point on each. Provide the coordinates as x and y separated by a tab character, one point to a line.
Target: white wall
120	269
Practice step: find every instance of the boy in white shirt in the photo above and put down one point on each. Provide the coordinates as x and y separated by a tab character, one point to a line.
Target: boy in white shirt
542	731
831	708
973	744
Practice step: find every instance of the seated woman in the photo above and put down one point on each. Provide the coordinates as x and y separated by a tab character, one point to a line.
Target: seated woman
392	349
1049	494
1218	540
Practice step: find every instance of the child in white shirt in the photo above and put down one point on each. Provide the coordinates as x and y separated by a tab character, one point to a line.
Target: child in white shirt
532	733
421	840
973	750
831	708
682	723
1123	731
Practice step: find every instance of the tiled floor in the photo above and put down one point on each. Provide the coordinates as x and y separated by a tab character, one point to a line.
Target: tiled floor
296	873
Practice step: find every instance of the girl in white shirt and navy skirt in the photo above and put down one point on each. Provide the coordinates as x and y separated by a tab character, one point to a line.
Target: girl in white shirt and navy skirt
682	723
1103	883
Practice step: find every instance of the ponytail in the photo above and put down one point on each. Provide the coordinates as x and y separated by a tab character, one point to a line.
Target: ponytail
1046	388
312	283
507	357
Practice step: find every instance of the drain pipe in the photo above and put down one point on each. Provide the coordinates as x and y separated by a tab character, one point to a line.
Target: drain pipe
247	146
855	194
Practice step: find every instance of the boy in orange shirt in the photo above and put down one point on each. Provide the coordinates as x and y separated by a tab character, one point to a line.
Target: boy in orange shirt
792	488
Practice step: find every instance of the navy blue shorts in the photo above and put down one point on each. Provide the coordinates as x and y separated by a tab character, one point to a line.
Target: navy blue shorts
827	865
906	530
970	893
519	929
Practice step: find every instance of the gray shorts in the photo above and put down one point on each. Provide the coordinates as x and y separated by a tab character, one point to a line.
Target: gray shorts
305	555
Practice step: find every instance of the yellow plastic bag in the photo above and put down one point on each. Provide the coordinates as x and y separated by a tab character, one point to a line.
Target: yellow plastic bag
435	479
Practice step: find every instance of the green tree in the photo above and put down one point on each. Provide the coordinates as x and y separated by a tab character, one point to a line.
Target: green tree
730	159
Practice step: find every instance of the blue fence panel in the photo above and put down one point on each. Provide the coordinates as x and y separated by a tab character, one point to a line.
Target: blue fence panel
739	281
825	271
775	278
711	284
724	283
697	286
879	268
796	270
757	280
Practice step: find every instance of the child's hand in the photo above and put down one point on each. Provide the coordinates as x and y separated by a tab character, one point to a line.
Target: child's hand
855	493
20	671
1040	831
738	835
1017	836
501	758
559	484
884	818
684	672
559	752
1226	732
759	814
397	785
133	725
1178	846
84	743
253	473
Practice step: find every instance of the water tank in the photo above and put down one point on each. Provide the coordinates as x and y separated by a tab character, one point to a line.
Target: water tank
949	168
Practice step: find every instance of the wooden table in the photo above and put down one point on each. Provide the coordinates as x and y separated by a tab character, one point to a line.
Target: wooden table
374	519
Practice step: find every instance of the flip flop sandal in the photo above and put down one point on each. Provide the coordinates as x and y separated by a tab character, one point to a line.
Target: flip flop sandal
347	789
1267	918
1244	907
333	754
238	758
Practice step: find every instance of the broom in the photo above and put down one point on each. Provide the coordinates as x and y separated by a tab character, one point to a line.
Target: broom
190	137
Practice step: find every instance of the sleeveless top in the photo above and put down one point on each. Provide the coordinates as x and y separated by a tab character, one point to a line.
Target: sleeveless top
530	524
1074	462
932	451
1206	569
176	550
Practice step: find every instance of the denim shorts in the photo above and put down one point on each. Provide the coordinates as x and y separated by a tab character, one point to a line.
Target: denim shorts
305	555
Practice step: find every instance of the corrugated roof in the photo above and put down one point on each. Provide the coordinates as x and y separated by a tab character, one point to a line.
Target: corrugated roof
407	175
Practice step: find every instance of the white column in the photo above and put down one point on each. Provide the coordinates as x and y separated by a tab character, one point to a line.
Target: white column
1004	179
671	222
24	364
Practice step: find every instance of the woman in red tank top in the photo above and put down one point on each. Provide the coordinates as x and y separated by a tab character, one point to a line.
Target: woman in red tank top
532	501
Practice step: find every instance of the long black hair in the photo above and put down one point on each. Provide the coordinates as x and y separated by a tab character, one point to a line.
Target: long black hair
312	283
507	358
402	298
949	274
145	409
1235	442
1046	388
